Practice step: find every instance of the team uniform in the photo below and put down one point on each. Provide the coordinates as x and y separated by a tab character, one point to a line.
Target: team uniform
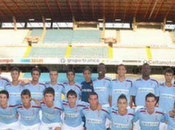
120	122
76	87
166	97
86	89
141	88
59	89
117	88
147	121
51	117
171	122
3	83
73	116
95	120
36	90
14	93
8	118
29	118
102	88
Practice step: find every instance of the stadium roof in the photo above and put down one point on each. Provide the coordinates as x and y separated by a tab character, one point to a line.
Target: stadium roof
87	10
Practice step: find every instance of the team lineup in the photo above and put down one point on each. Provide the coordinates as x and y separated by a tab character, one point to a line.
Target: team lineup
101	104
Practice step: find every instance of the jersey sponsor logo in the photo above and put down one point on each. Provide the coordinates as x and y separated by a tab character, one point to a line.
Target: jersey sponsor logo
28	118
86	90
119	125
94	121
153	124
15	94
170	96
51	116
72	115
100	89
151	90
7	116
119	91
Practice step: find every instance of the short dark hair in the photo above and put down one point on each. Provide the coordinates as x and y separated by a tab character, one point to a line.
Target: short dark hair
169	70
49	90
122	96
15	69
93	93
36	69
5	92
70	70
121	65
53	69
72	93
87	68
150	95
26	92
101	64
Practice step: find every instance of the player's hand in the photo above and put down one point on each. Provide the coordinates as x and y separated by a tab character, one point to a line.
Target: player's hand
171	113
99	107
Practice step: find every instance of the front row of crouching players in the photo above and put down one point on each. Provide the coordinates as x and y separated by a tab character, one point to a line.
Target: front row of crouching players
67	115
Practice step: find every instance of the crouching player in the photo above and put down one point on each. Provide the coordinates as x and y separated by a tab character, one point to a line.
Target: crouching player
8	113
28	112
73	112
122	117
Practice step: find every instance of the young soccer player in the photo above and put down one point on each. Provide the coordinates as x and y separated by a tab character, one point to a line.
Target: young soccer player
3	81
171	120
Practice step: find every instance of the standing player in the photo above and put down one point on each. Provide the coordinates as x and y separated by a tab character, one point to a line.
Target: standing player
71	85
121	85
167	92
58	87
122	117
3	81
87	85
171	120
14	88
95	118
29	112
143	86
102	86
34	86
51	111
151	116
8	113
73	112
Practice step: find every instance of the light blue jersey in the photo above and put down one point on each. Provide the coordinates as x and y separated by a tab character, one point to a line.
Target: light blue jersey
147	121
95	120
76	87
29	116
102	88
36	90
142	87
121	122
171	122
73	116
14	93
166	97
51	115
59	90
3	83
117	88
8	115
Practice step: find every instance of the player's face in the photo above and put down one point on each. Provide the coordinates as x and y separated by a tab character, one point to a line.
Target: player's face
70	76
72	99
87	74
101	69
150	102
35	76
15	75
53	75
93	100
122	104
26	99
121	71
168	77
49	97
3	99
146	70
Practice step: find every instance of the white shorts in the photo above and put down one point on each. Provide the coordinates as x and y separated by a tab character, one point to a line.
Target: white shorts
32	127
50	126
163	126
66	127
11	126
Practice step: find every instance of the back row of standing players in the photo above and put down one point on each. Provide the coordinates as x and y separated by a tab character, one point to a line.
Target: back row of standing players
108	90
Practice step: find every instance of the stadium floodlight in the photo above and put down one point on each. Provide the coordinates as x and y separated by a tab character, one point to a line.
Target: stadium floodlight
31	19
117	20
100	19
48	19
169	21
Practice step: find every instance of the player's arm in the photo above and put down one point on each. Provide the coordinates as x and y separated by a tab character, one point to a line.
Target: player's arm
110	100
133	101
157	101
36	101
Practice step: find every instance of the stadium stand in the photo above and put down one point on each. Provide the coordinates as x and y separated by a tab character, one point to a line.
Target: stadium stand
89	52
36	32
49	52
12	37
110	34
174	36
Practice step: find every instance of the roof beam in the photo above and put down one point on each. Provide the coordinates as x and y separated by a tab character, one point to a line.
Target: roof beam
155	4
138	7
155	16
70	7
115	4
5	4
28	8
59	8
170	9
3	14
148	8
50	10
81	7
104	9
93	10
38	8
126	9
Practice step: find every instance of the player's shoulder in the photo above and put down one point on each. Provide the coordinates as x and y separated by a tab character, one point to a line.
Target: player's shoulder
154	80
114	80
128	80
5	79
78	85
60	84
141	110
9	84
65	103
105	110
159	111
27	84
42	84
138	80
47	83
131	112
13	106
86	109
81	104
162	85
20	106
107	79
34	105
